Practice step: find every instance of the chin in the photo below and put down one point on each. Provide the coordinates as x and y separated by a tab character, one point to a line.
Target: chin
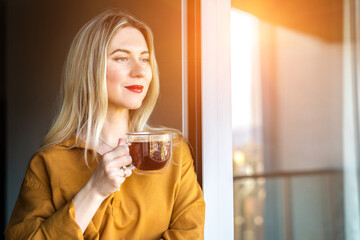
129	103
134	106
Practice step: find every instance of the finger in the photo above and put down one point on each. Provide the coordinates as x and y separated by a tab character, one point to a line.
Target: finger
119	162
128	172
122	172
117	173
119	151
116	164
114	171
121	141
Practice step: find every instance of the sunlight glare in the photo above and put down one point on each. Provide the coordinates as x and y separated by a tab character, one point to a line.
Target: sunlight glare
243	38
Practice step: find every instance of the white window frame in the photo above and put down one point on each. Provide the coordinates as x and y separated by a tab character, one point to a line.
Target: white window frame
216	119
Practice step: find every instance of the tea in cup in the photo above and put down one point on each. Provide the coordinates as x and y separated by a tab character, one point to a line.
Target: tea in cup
150	151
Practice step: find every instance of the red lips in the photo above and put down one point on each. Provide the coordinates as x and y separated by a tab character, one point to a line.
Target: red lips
135	88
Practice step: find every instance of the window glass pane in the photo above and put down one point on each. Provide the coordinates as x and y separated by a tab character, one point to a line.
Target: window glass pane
295	119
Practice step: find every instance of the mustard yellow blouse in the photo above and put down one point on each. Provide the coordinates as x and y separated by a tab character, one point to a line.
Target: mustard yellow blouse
158	206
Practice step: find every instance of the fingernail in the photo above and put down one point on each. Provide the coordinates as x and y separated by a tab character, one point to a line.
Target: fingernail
132	167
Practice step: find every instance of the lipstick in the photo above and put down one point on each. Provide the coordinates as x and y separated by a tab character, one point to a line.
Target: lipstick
135	88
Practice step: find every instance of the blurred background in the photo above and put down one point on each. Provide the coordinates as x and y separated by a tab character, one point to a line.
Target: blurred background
295	119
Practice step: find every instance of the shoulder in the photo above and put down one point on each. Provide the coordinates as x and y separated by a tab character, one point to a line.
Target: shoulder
55	158
46	155
42	157
59	163
180	144
66	150
42	160
38	170
181	150
69	145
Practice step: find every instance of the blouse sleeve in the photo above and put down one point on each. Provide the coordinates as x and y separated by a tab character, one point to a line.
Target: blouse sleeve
187	221
34	215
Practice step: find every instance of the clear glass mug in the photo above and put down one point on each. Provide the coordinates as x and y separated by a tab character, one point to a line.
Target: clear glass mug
150	151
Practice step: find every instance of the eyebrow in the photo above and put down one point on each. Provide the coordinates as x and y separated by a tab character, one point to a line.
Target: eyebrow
127	51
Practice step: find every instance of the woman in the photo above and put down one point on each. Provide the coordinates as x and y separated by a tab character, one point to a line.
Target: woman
70	188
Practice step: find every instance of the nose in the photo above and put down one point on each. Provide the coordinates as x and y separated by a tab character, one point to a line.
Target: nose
137	70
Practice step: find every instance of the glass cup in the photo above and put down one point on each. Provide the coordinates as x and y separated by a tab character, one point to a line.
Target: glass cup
150	151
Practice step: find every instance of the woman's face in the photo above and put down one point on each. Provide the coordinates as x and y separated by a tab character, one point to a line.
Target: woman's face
128	72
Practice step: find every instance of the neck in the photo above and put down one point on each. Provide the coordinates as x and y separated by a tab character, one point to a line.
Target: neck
115	126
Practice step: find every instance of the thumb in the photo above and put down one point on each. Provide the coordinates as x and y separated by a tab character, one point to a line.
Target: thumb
121	141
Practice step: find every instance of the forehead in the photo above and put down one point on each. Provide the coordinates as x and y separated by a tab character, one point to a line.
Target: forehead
128	38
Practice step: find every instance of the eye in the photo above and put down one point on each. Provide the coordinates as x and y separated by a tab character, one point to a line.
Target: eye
145	60
122	59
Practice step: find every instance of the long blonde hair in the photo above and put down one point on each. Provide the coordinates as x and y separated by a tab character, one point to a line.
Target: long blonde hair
84	99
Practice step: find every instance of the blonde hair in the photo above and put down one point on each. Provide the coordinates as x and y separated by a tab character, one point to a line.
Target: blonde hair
84	93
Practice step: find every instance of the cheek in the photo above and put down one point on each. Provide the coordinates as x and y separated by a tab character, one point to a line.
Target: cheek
111	74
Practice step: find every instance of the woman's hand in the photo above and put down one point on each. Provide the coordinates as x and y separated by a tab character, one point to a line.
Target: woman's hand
108	176
111	171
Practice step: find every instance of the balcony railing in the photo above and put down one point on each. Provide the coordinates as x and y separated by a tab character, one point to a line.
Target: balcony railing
289	205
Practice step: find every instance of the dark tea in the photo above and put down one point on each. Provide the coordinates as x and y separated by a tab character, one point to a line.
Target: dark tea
152	155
